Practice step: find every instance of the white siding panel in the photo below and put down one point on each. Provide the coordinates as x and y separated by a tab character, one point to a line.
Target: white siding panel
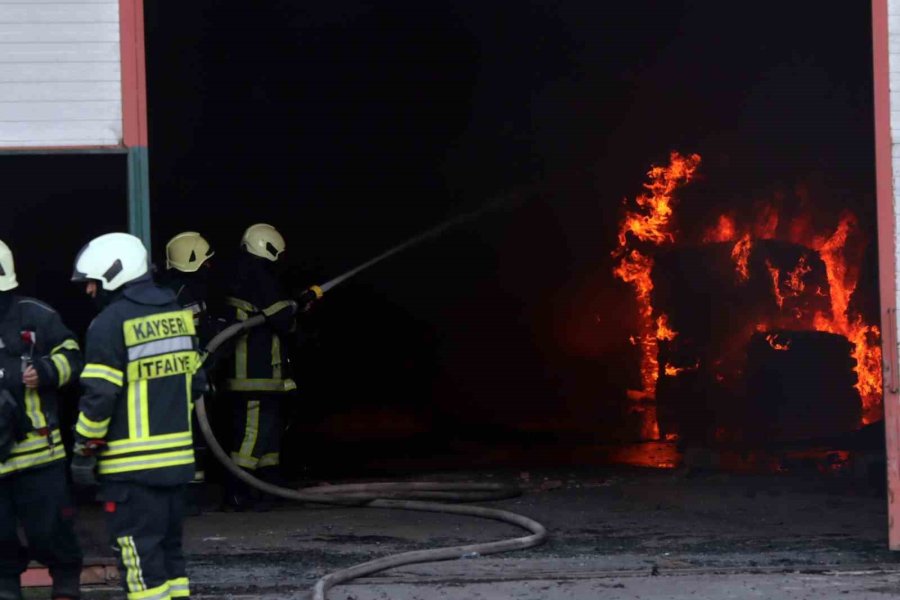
61	52
60	91
33	33
60	73
59	13
59	133
894	66
51	73
54	111
80	2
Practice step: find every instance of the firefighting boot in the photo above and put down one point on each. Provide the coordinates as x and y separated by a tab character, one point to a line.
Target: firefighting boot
193	499
238	495
272	476
66	583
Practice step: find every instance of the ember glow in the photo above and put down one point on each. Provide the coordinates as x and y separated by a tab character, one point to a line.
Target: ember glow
741	256
776	344
671	370
648	225
775	274
724	231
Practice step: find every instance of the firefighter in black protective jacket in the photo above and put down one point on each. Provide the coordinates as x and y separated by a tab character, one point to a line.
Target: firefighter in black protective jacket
188	263
38	355
259	377
140	378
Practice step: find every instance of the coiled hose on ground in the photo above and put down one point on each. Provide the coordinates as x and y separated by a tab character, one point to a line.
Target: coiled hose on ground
417	495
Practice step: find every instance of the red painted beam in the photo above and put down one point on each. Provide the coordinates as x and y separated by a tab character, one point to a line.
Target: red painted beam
134	73
887	274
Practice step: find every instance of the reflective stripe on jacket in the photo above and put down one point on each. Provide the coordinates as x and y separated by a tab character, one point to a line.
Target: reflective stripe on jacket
260	362
32	333
139	382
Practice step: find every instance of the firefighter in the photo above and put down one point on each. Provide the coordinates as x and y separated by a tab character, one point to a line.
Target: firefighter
188	264
133	432
38	355
258	376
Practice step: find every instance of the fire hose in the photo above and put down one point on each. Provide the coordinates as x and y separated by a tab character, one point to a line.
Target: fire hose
424	496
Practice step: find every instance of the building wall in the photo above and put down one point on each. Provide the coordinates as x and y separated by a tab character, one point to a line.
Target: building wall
894	65
60	73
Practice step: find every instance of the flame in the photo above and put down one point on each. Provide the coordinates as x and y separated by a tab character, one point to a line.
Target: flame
841	284
776	345
724	231
663	331
671	370
842	281
650	223
795	277
741	256
776	289
865	338
766	223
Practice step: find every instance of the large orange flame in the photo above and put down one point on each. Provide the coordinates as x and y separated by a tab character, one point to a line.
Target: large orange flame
842	280
650	223
865	338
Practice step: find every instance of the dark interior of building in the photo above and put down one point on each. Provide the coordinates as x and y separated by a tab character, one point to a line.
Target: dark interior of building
508	340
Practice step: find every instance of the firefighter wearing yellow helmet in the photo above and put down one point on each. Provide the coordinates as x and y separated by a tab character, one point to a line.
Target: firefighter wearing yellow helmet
188	264
259	377
38	355
187	274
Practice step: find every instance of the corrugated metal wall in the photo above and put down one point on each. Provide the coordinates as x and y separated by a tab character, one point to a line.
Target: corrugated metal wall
60	73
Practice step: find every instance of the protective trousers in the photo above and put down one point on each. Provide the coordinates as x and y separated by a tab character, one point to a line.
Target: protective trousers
145	526
258	429
38	499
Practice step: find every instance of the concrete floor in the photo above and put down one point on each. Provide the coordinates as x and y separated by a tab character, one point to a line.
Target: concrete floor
615	533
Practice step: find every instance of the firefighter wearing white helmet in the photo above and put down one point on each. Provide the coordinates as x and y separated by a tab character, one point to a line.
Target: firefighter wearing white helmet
259	377
133	432
7	269
39	355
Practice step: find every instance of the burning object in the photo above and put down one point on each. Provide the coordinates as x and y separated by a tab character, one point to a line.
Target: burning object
708	301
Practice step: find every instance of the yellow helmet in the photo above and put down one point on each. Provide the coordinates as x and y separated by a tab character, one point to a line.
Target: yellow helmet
7	269
263	240
187	251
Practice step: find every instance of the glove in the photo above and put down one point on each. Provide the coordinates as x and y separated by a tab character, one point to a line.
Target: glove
84	470
309	297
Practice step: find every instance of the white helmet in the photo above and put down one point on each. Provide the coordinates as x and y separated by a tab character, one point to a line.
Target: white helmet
263	240
7	269
187	251
113	259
